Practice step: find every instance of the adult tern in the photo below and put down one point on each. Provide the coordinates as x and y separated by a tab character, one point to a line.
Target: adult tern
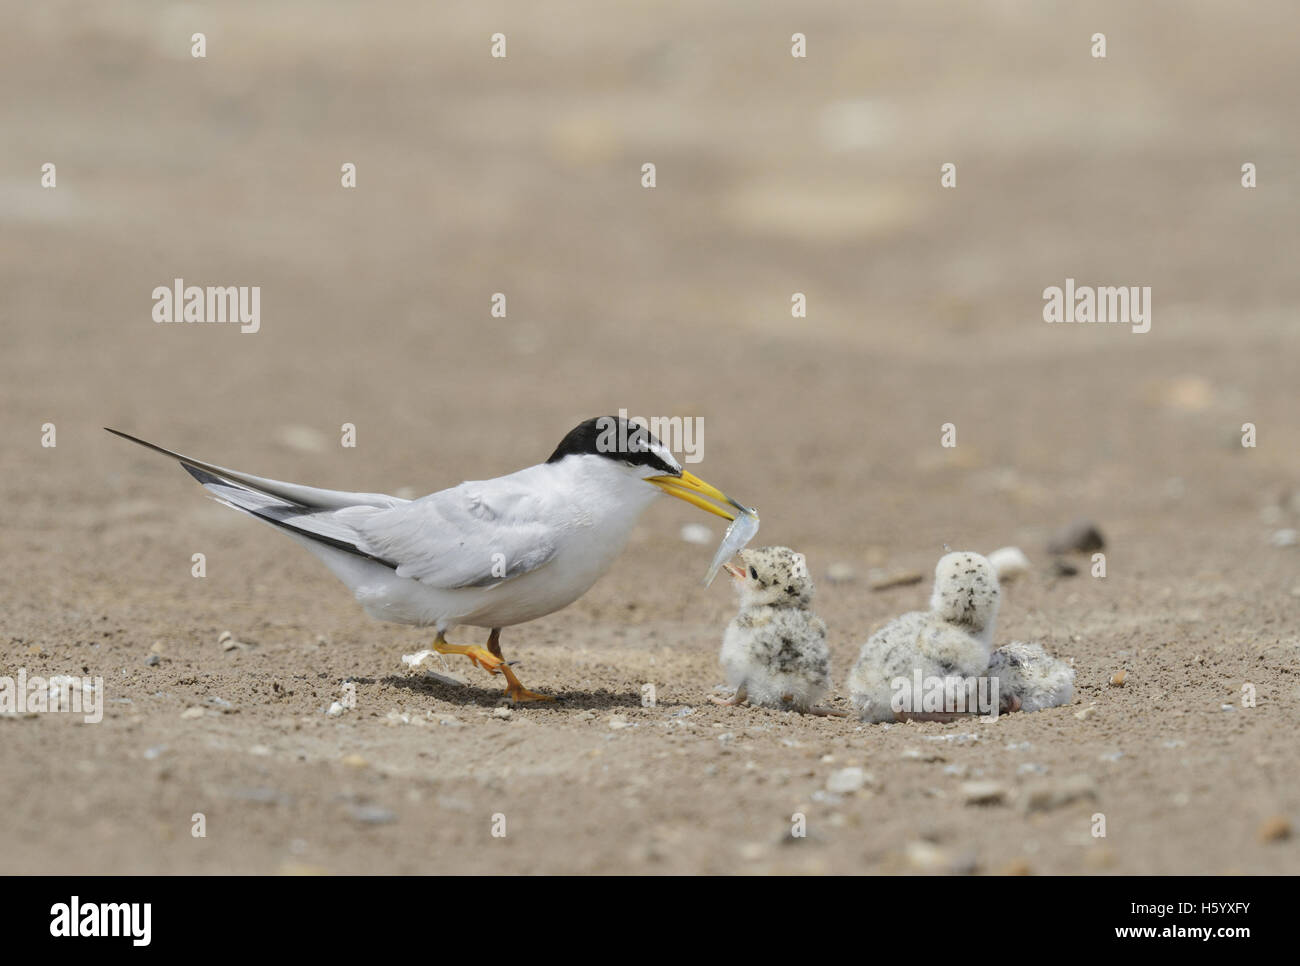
487	553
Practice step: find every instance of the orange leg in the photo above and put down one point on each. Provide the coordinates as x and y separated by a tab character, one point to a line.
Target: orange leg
490	660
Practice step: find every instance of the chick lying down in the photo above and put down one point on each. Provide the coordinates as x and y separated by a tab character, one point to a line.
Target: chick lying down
951	644
1030	676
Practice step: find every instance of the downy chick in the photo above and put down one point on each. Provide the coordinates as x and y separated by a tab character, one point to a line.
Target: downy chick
952	639
1028	674
774	651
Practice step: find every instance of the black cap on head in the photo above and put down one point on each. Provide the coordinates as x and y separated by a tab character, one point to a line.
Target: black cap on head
618	439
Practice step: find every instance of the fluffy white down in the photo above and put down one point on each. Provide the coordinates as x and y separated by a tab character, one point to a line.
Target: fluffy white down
775	648
966	592
779	656
953	638
921	640
1028	672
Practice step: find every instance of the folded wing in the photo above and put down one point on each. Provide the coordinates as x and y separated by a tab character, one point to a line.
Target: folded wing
473	535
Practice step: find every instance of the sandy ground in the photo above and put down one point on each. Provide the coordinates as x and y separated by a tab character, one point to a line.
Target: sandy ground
775	176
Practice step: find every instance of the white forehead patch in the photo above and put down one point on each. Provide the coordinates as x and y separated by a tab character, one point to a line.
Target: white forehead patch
662	451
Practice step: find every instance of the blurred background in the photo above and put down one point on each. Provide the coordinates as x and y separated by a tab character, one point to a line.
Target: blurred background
775	175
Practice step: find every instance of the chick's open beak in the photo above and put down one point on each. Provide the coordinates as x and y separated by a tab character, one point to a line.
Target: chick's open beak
693	490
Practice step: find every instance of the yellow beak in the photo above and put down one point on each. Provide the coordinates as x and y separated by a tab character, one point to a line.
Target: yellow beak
693	490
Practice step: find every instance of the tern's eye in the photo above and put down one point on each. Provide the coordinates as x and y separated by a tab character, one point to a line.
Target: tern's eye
753	572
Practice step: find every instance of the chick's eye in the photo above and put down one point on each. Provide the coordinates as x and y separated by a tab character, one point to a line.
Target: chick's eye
753	572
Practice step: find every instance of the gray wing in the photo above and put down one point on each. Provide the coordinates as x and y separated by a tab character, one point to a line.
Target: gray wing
473	535
321	516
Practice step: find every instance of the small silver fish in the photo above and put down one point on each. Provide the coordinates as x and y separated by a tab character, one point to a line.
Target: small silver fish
741	531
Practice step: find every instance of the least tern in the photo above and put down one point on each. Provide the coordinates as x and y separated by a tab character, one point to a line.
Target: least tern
774	651
1030	677
487	553
953	639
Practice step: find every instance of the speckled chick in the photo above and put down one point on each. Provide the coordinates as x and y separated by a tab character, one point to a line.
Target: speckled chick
953	638
774	652
1027	672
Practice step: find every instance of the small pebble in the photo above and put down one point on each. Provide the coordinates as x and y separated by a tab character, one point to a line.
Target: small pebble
259	794
1284	538
964	738
306	439
903	578
1063	568
983	793
502	712
1046	795
916	754
354	761
153	660
371	814
841	573
1083	714
1081	536
1009	563
619	721
416	660
927	857
1117	679
191	713
1274	829
1099	857
335	710
846	781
